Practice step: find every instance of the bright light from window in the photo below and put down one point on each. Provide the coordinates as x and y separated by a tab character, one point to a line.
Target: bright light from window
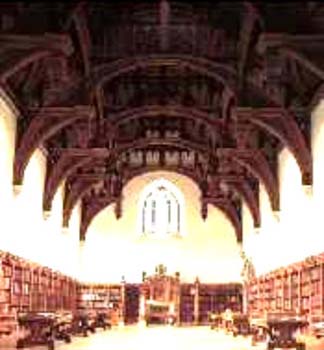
161	210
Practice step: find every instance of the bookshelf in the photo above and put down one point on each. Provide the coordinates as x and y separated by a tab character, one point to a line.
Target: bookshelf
212	298
96	297
26	286
132	294
187	292
297	288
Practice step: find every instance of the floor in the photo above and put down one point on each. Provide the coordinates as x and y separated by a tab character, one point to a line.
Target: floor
155	338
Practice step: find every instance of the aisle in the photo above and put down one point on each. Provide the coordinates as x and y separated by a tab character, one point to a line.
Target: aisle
155	338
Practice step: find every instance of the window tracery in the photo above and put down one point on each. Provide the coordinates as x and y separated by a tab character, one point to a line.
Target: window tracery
161	210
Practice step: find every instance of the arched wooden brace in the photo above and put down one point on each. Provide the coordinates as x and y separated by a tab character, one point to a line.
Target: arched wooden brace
225	74
98	204
74	191
152	111
45	123
115	154
69	161
28	49
238	183
90	211
297	48
281	124
84	183
249	195
255	162
10	68
316	99
65	165
292	46
185	171
139	144
225	205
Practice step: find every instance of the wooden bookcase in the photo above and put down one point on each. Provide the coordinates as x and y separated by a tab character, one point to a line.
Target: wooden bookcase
95	297
215	298
27	286
205	302
122	300
132	295
296	288
187	292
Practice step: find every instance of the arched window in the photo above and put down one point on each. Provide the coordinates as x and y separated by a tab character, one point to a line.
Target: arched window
161	209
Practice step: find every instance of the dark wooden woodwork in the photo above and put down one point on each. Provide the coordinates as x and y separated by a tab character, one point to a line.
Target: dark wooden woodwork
27	286
296	289
211	78
132	294
212	298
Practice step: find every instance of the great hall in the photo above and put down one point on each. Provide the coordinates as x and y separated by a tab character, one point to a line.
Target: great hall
161	175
